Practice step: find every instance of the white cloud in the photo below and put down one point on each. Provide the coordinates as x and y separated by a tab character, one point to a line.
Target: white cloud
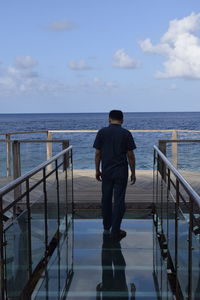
25	62
180	46
122	60
79	65
62	25
22	79
105	84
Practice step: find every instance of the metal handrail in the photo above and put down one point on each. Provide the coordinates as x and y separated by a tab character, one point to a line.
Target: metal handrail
29	174
91	130
181	179
50	237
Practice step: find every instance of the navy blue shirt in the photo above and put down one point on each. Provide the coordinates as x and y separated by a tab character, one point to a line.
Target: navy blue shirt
114	141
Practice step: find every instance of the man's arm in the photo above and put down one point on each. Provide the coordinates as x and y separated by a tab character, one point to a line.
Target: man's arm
97	164
131	160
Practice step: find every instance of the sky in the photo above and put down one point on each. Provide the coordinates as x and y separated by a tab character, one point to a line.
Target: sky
97	55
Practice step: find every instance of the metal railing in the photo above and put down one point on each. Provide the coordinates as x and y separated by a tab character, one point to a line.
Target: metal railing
52	134
175	150
29	236
177	233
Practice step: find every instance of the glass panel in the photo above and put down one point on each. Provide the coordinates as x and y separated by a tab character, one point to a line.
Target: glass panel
165	210
182	256
171	227
17	256
32	154
37	225
196	262
59	270
52	204
159	202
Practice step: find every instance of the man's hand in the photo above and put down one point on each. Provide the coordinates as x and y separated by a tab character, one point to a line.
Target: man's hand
133	178
98	176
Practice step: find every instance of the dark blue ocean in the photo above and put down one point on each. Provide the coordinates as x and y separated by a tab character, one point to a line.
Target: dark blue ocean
32	155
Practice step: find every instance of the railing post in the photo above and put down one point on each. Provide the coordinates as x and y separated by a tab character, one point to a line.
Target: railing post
161	165
8	156
16	169
49	148
190	249
65	145
174	148
29	233
2	268
49	145
176	230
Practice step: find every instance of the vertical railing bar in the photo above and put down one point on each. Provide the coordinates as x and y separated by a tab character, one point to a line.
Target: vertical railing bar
73	209
157	172
72	168
45	212
8	155
5	269
154	163
176	236
168	203
29	228
16	171
58	194
190	248
49	145
66	197
175	148
2	260
161	193
154	211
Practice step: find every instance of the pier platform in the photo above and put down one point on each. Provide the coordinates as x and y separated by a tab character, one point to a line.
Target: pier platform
87	190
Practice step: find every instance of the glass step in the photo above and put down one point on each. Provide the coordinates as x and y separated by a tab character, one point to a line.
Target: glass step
102	269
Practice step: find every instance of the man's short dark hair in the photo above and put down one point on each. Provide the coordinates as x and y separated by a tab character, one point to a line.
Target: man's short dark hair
116	115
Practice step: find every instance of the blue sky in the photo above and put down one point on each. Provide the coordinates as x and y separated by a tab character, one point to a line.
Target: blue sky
98	55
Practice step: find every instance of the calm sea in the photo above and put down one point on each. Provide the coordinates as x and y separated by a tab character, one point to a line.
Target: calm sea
32	155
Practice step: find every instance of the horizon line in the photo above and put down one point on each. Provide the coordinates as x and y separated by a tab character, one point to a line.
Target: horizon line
102	112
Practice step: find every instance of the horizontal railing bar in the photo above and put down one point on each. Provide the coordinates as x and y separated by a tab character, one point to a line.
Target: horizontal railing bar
180	194
62	140
182	180
179	141
24	132
30	189
29	174
131	130
34	141
79	131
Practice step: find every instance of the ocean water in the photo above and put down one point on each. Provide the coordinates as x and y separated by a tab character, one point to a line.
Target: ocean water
33	154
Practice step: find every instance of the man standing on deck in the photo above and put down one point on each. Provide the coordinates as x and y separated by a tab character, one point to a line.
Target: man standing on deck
114	145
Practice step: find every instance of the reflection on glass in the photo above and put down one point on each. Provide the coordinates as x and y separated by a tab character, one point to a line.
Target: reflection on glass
16	237
113	272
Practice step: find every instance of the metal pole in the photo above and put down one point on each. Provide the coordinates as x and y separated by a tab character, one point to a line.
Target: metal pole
49	145
174	148
8	155
45	212
65	145
58	196
176	236
29	229
2	275
190	249
16	170
162	167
